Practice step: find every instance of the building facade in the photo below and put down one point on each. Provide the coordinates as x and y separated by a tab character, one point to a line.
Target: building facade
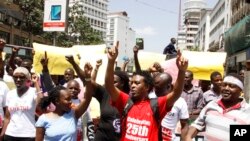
237	44
216	21
11	21
192	12
181	39
220	17
202	36
118	30
95	12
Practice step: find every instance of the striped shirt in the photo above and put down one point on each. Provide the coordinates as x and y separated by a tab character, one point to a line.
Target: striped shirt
194	98
208	96
216	120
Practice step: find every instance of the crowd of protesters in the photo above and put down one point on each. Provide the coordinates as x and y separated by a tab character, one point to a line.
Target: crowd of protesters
145	106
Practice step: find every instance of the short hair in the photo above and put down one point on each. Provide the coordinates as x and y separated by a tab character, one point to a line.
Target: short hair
190	72
172	39
70	69
148	79
167	75
72	81
125	79
214	74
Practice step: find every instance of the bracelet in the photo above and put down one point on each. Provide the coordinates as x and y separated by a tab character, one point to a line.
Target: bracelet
87	79
40	92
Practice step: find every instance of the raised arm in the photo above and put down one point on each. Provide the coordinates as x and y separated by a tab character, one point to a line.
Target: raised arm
47	80
155	68
34	79
94	74
137	64
124	65
109	77
182	64
79	71
12	57
82	107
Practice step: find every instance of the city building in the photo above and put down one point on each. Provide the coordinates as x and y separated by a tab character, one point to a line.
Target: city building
118	30
219	22
202	36
95	12
181	33
237	43
11	21
181	39
212	26
192	12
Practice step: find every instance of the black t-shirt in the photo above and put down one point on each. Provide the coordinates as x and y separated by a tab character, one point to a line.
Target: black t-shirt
109	125
170	49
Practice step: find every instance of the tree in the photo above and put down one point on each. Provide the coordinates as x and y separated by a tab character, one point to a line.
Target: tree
77	24
33	16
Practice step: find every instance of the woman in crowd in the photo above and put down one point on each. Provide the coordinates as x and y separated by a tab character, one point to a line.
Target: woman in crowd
19	120
61	124
108	128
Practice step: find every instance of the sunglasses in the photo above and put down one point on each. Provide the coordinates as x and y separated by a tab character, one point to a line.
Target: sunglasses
19	77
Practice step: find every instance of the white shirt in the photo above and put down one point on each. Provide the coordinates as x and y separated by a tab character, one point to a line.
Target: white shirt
3	93
178	111
22	113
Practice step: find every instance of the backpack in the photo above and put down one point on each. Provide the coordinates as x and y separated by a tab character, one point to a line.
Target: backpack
155	108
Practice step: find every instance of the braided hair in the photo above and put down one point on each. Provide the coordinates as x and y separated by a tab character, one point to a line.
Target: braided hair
53	95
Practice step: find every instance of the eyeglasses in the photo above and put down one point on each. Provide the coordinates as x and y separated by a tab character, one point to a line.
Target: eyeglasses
19	77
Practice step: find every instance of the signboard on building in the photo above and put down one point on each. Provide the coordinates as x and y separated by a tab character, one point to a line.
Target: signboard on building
55	15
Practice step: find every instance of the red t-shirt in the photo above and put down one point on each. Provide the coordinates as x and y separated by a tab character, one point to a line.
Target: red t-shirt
140	123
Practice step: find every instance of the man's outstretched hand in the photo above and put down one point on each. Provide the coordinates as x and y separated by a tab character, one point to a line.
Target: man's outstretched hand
70	59
181	62
113	52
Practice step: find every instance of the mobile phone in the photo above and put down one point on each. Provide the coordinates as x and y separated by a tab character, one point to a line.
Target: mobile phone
139	43
56	12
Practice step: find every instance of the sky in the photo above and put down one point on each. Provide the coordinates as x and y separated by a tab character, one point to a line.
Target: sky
154	20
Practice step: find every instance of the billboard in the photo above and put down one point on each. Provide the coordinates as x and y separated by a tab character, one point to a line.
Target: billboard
55	15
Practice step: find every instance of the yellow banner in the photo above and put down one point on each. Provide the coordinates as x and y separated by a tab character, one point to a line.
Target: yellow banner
202	64
57	62
147	59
